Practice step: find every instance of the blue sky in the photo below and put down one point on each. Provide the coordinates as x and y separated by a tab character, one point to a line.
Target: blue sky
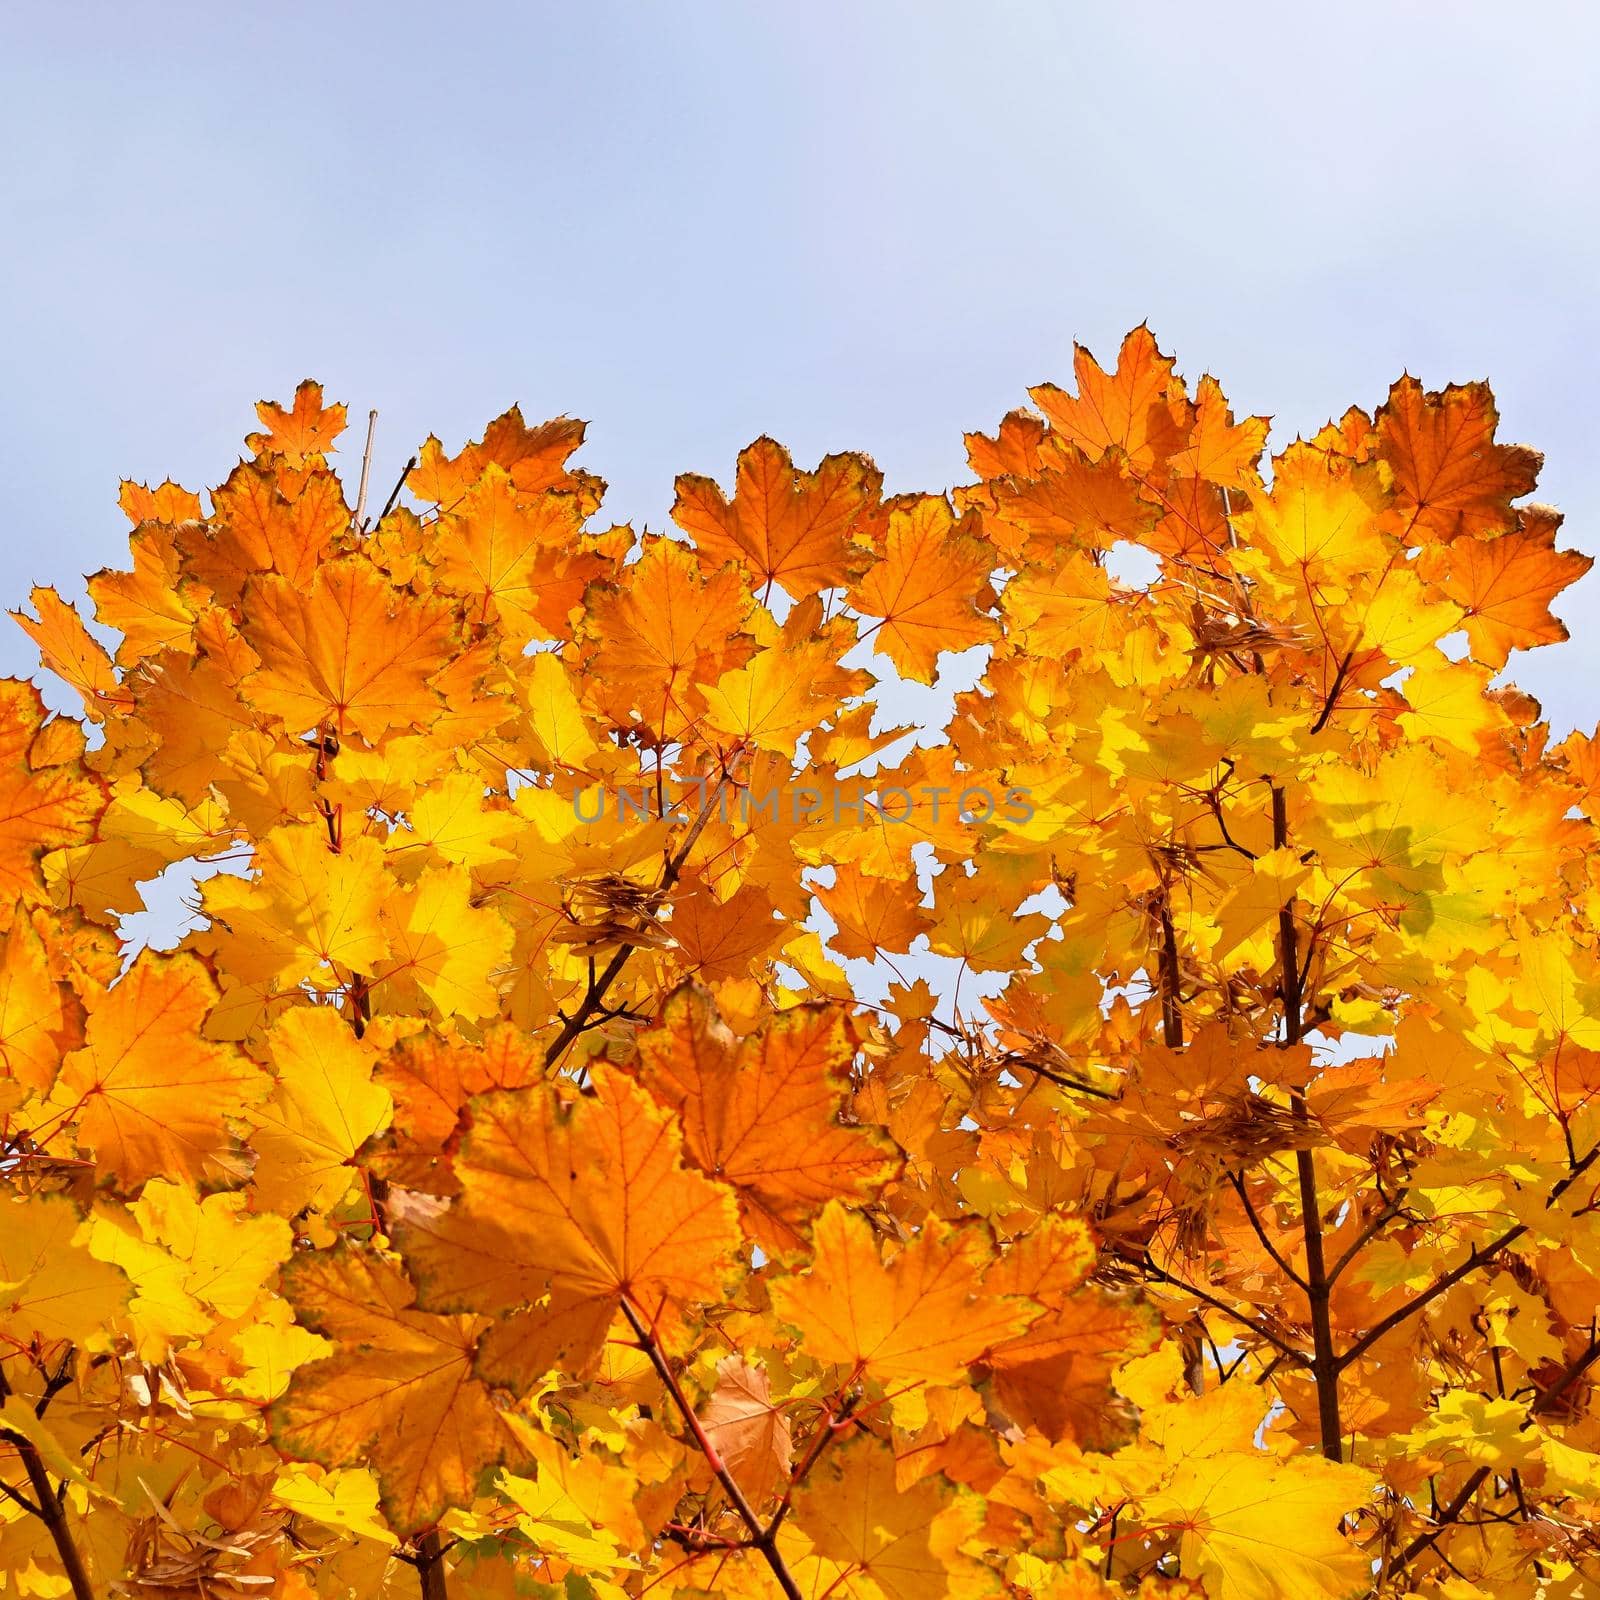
853	226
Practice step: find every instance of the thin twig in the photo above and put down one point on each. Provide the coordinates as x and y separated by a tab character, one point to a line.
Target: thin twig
1261	1233
394	493
366	471
596	993
1479	1255
763	1539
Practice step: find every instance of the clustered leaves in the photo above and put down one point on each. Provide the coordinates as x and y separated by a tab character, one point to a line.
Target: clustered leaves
627	1118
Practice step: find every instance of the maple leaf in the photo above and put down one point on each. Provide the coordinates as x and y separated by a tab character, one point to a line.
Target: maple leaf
869	918
564	1213
1140	409
763	1112
1220	450
1505	583
720	939
347	649
1013	452
51	1288
150	1097
750	1434
578	1510
145	606
398	1393
930	588
1074	608
784	526
443	946
37	1022
659	637
513	556
772	701
1073	503
921	1319
257	527
323	1108
534	458
191	1261
311	916
1257	1529
301	433
432	1082
168	503
1451	479
907	1543
1321	518
74	655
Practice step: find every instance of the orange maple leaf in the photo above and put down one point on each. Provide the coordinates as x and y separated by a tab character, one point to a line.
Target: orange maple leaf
783	526
398	1391
763	1112
922	1319
150	1096
1451	479
1505	584
1140	409
40	808
301	434
930	587
347	650
564	1212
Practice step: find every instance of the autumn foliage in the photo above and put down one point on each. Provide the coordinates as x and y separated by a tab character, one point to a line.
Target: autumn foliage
629	1118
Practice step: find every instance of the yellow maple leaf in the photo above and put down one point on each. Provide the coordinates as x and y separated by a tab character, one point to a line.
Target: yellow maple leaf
323	1108
1258	1529
150	1096
443	946
51	1286
905	1543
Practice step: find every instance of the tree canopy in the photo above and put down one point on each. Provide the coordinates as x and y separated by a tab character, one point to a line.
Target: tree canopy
636	1111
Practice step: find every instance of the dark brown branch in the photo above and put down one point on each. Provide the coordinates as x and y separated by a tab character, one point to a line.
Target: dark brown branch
394	493
1546	1399
1060	1079
763	1539
1261	1233
1479	1255
1317	1283
52	1513
430	1567
1376	1226
1171	979
1333	691
1449	1514
1255	1325
827	1430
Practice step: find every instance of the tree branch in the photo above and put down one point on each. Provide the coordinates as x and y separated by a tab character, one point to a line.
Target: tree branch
1368	1234
394	493
1257	1327
1479	1255
430	1567
763	1539
595	996
1317	1284
52	1513
1261	1233
1452	1512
